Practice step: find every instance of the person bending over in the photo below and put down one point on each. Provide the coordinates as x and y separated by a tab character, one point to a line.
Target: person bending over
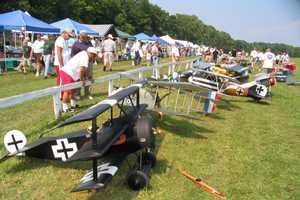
75	69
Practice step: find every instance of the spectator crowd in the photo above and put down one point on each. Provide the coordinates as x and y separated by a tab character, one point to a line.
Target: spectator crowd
70	58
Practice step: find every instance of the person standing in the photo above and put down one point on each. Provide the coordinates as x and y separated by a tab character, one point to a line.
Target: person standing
175	57
75	69
48	54
37	53
136	51
154	54
253	57
61	52
215	55
80	45
26	61
268	61
285	58
109	51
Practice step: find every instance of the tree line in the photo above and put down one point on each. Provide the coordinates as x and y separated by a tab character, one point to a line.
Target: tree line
135	16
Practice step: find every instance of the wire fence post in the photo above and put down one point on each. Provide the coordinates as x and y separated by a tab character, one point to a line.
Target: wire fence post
141	75
156	72
170	69
57	105
110	87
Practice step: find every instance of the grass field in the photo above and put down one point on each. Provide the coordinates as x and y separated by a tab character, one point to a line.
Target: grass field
246	150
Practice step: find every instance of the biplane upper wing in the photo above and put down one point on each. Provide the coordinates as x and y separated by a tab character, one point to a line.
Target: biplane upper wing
102	106
179	85
218	75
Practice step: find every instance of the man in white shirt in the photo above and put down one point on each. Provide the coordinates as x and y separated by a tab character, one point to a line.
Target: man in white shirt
175	57
285	58
75	69
253	57
108	50
136	53
269	61
154	54
61	52
37	52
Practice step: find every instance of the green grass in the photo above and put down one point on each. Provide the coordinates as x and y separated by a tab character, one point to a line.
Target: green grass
246	150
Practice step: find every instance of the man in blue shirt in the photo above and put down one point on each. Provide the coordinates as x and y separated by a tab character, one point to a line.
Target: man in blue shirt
80	45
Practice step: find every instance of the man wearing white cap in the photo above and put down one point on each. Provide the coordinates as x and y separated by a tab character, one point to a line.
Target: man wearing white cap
108	50
61	51
75	69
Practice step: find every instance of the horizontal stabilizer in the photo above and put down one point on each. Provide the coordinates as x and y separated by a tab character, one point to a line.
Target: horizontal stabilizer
104	176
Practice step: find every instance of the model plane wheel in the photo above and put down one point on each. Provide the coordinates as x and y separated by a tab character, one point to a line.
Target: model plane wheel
148	158
137	179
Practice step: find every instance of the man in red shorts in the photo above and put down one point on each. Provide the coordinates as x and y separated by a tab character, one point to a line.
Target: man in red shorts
74	70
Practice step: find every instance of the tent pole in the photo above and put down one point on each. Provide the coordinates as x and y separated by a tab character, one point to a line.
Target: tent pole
15	39
4	50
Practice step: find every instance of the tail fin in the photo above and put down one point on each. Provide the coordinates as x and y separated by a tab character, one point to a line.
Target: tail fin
209	104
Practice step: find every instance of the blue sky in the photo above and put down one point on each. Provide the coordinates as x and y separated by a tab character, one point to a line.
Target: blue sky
250	20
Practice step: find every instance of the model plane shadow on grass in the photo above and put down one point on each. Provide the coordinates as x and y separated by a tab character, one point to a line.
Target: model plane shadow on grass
264	103
183	128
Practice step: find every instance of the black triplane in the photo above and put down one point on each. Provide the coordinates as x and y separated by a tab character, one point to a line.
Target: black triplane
128	133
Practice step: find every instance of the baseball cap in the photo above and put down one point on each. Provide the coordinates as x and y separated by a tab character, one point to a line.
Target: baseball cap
92	50
110	36
45	37
69	31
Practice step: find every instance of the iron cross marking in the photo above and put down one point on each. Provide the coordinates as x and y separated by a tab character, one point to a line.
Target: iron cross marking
240	92
260	89
63	149
15	142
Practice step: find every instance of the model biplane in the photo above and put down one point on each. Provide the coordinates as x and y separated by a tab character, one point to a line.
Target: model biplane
175	97
128	133
257	89
233	71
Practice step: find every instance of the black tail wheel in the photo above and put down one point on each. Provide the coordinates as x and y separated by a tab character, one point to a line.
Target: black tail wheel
137	180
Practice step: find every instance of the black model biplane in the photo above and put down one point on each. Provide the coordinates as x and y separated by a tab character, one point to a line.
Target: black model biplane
128	133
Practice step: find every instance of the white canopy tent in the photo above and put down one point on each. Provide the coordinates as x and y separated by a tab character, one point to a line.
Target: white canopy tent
168	39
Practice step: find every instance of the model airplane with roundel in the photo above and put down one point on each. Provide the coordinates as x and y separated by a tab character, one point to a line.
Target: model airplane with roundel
258	89
107	147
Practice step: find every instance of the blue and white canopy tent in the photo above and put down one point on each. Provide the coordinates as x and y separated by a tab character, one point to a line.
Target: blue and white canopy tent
23	22
143	37
76	26
159	40
20	21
